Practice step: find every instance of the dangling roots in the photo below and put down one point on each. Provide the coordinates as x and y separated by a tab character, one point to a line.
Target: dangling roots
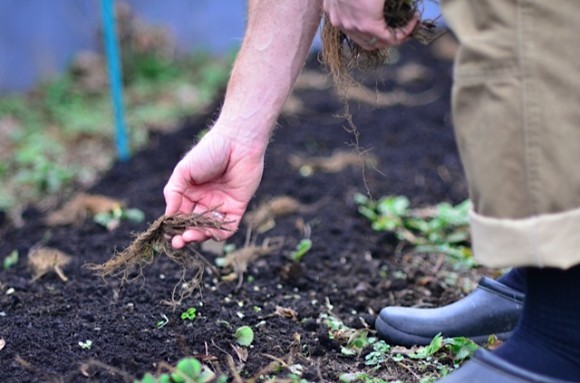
142	251
340	54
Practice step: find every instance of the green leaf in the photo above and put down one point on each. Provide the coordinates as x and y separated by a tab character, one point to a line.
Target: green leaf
187	368
397	205
361	199
387	223
147	378
133	215
11	259
349	377
107	218
369	213
86	345
301	249
189	314
348	351
379	353
163	322
244	336
424	352
461	347
103	218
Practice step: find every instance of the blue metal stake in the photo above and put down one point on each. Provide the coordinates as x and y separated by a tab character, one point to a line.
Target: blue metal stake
115	75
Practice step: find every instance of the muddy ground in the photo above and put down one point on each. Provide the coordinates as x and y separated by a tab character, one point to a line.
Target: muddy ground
350	267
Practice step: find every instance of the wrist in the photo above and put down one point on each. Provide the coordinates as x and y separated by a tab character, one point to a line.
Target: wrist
254	136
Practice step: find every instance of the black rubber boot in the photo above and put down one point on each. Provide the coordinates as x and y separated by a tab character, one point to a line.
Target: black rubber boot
492	308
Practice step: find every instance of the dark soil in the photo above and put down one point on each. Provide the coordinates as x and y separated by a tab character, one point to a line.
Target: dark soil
43	322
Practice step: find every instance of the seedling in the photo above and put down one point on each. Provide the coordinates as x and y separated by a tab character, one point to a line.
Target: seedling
302	248
244	336
459	349
352	341
112	219
187	370
189	314
426	351
86	345
439	229
359	377
379	354
436	355
79	207
10	260
163	322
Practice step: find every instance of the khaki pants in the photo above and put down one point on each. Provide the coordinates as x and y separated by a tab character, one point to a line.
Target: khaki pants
516	103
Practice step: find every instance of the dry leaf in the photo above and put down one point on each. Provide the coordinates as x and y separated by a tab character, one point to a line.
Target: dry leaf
80	207
286	313
239	259
493	342
241	353
339	161
44	260
412	72
263	218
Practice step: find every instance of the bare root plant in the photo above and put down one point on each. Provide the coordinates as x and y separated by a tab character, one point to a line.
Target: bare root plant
129	263
340	55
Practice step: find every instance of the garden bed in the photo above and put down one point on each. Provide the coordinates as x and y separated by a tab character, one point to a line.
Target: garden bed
349	274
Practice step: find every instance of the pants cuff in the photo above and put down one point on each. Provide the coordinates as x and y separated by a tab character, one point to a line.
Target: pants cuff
548	240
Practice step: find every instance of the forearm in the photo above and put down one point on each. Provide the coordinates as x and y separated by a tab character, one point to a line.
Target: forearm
277	40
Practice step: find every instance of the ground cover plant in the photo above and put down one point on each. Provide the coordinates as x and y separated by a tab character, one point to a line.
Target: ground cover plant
292	296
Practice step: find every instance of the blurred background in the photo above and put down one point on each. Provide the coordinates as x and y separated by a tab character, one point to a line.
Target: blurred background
39	38
57	130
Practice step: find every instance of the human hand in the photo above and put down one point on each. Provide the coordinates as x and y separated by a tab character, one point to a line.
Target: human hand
363	21
218	173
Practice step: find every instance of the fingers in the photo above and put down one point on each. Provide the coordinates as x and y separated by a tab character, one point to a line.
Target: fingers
201	234
195	235
364	23
174	189
385	36
172	201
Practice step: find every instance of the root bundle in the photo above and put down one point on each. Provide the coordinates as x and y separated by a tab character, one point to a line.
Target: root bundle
129	263
340	54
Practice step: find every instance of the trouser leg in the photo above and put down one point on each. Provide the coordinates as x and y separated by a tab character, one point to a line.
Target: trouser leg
516	102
